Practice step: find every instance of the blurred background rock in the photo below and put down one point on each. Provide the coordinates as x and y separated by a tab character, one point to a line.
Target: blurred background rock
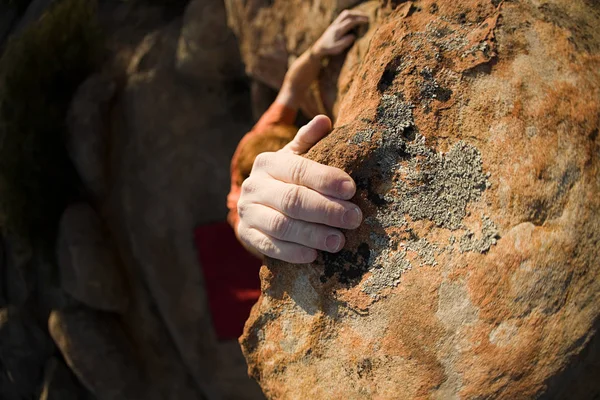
117	123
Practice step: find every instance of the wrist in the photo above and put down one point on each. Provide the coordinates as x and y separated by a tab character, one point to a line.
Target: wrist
316	52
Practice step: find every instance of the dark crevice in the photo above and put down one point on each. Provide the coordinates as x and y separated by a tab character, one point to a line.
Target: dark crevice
349	266
389	74
579	378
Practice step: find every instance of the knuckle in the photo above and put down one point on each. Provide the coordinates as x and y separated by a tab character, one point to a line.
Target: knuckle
242	208
279	225
265	246
242	229
298	170
262	160
248	186
291	201
344	13
334	214
327	179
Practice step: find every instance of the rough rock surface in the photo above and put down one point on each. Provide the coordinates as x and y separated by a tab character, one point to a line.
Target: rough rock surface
89	268
471	129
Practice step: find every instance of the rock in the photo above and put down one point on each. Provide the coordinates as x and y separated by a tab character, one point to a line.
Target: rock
207	48
18	272
171	144
99	353
88	122
271	37
89	267
23	352
471	129
60	383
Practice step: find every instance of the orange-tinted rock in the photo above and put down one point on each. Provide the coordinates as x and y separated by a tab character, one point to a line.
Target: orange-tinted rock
471	129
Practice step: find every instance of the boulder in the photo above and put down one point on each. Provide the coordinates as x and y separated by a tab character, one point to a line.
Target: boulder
24	349
207	48
173	133
99	353
18	272
88	123
89	267
60	383
471	129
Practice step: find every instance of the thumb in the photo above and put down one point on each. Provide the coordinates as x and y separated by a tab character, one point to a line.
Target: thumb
309	135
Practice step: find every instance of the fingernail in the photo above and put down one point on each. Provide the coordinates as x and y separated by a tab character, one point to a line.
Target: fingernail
347	189
352	218
333	243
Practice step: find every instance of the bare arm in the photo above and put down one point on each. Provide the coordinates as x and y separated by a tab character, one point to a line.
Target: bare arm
305	69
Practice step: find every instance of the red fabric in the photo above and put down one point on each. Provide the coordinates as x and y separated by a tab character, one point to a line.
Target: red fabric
231	277
277	114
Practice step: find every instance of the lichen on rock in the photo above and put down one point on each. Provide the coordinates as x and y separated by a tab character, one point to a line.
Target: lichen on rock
474	147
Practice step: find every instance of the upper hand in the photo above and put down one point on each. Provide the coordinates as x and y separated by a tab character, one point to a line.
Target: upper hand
337	37
291	206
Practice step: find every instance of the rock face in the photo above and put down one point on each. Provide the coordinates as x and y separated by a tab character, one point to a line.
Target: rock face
471	129
89	268
88	132
99	353
24	349
152	137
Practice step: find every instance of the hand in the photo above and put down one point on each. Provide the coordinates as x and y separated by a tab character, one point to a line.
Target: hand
291	206
337	38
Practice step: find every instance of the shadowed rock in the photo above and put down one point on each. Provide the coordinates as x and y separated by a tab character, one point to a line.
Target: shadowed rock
99	353
89	267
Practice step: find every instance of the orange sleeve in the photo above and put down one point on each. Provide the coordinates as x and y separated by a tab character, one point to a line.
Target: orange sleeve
277	114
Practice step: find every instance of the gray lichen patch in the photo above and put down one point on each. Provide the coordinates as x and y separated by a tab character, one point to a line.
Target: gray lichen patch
407	181
425	250
386	272
438	187
430	89
488	237
395	114
388	261
363	136
421	185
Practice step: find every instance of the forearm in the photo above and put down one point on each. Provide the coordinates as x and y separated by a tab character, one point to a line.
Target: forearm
302	73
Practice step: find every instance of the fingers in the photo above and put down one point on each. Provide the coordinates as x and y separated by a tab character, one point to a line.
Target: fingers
346	14
297	170
343	43
348	24
298	202
276	225
275	248
309	135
